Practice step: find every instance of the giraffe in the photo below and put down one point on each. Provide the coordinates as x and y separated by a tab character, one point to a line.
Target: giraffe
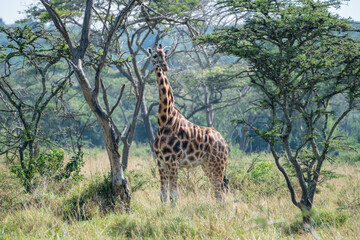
182	144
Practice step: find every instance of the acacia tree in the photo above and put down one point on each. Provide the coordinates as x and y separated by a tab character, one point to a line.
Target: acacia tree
301	60
24	100
91	93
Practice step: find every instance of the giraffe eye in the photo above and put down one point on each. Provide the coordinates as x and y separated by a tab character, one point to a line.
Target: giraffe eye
155	56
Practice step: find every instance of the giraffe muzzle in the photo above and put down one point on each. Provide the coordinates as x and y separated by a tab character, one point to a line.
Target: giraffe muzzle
165	67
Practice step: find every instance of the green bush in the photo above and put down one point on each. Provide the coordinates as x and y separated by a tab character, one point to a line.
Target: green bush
51	165
261	176
329	217
263	172
350	156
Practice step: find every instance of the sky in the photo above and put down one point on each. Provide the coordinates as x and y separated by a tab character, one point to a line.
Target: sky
10	9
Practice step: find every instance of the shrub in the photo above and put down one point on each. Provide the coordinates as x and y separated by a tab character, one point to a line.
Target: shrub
329	217
261	176
51	165
349	156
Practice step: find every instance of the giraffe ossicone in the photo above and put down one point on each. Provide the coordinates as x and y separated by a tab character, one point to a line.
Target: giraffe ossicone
182	144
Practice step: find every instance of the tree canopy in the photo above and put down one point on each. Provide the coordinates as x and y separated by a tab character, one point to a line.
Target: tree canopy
301	60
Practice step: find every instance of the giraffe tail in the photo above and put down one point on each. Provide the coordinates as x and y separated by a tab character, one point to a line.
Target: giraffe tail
226	183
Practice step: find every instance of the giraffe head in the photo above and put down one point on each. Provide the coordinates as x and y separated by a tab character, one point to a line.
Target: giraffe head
158	57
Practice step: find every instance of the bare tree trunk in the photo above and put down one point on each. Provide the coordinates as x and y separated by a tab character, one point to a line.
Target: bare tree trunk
127	140
119	183
244	140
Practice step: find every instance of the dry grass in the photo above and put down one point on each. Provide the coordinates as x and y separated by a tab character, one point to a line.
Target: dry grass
255	211
96	161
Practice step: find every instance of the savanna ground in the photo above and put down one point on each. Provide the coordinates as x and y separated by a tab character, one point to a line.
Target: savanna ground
258	206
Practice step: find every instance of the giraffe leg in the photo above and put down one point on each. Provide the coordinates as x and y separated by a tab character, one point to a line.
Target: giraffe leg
215	172
173	169
164	181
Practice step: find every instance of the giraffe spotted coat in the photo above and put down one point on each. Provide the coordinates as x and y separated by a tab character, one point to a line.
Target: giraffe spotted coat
182	144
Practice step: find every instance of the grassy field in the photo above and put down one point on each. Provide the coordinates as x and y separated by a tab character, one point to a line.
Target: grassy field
258	206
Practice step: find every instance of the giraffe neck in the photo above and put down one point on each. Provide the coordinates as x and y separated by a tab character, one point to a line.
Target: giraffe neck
166	98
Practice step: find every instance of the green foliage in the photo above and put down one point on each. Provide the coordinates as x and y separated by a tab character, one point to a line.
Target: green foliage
178	7
328	217
260	177
262	172
351	157
73	167
65	9
49	164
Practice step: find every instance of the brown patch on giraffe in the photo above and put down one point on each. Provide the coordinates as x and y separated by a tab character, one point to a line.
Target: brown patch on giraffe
163	118
184	145
166	131
206	147
166	150
211	140
170	121
182	134
177	147
190	149
171	141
